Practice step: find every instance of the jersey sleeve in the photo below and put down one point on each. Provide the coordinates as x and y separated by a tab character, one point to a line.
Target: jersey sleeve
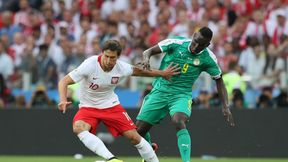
170	44
81	71
213	68
126	68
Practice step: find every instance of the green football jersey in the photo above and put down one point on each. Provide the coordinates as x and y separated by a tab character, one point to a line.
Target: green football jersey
177	51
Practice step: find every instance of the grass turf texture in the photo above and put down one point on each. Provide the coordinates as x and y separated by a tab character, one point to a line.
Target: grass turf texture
127	159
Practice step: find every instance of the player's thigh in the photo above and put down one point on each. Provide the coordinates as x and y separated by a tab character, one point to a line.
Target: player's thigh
180	103
86	119
154	107
117	120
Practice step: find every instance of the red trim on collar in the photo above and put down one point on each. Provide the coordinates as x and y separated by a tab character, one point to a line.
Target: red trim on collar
99	59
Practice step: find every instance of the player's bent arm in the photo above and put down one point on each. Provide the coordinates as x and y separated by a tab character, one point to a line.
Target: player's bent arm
150	52
166	74
62	87
148	73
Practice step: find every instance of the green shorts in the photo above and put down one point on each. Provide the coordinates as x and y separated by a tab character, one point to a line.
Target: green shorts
156	105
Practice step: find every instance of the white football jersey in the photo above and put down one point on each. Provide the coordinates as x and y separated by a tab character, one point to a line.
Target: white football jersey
97	86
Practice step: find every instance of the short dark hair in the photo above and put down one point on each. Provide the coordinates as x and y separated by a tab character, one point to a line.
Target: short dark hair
43	47
206	32
112	45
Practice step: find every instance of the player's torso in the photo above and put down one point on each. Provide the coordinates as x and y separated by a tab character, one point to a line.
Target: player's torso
97	89
191	68
103	82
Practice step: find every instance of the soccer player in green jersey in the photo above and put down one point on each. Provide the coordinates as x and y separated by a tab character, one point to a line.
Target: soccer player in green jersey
174	96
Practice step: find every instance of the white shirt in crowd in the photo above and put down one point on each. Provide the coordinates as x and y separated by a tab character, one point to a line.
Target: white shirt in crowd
96	86
6	65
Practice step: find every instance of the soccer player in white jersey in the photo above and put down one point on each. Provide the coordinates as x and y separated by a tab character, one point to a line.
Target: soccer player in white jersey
98	76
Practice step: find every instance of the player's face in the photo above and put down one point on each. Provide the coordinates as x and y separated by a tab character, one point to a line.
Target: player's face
198	43
109	59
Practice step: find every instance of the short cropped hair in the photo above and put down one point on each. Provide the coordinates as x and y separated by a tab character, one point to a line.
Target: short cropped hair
112	45
206	32
43	47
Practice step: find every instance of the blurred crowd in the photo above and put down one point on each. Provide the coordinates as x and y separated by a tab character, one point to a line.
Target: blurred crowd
42	40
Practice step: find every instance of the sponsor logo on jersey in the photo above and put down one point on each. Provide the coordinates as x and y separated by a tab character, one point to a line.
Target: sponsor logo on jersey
114	80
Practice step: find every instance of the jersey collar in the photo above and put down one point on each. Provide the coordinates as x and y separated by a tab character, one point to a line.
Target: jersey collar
191	52
99	59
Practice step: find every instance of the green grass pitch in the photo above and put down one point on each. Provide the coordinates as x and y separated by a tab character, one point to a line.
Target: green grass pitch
127	159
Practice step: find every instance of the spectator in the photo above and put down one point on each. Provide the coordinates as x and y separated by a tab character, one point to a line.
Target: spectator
229	56
282	100
278	28
55	52
70	61
17	48
266	100
249	58
22	16
80	54
28	64
256	28
63	29
6	97
20	102
274	66
196	13
46	70
238	99
181	27
39	98
6	63
8	28
1	103
233	80
202	101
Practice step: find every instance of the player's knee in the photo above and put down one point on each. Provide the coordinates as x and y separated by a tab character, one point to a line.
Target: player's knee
142	132
179	123
132	136
135	139
80	126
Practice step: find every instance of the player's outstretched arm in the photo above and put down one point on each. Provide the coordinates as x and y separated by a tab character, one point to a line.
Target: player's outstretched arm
147	54
167	73
224	98
62	89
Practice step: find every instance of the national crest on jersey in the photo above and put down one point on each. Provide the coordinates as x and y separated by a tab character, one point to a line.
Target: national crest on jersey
114	80
177	51
96	85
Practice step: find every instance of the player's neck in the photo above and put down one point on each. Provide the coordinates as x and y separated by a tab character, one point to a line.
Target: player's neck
100	60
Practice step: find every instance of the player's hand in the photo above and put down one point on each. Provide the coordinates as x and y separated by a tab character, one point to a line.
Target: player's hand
145	63
228	116
170	71
62	106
